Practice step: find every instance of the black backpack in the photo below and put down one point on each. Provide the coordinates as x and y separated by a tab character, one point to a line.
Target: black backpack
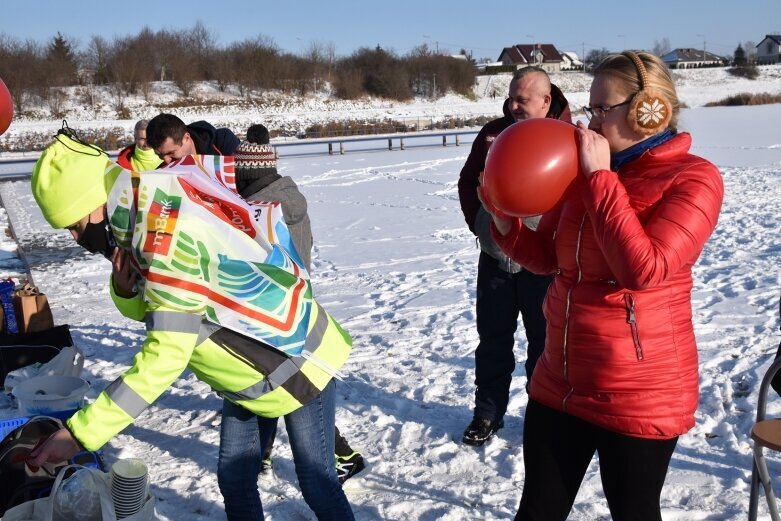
18	482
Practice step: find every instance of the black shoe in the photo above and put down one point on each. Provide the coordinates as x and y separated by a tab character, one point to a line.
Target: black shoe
480	431
349	466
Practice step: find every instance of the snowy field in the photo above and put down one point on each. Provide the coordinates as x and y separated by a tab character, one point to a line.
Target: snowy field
395	263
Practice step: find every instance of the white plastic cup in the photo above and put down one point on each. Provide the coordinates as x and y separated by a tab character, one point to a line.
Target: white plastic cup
129	486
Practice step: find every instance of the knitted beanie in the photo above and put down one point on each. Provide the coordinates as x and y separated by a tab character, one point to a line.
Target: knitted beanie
255	161
68	181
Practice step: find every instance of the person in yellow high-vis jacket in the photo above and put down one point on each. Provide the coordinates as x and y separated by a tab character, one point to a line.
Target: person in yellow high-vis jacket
257	381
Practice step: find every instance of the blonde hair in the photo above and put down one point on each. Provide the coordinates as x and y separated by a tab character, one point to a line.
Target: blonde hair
658	77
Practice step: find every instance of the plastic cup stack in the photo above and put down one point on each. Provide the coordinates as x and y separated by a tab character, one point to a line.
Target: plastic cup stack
129	486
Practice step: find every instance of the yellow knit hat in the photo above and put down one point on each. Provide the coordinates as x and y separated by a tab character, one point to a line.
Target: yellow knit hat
67	181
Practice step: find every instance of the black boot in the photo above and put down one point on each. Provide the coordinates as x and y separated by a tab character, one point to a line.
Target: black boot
480	431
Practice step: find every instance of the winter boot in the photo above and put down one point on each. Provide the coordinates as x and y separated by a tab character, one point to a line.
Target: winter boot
480	431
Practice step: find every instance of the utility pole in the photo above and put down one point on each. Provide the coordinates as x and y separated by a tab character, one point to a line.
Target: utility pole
703	47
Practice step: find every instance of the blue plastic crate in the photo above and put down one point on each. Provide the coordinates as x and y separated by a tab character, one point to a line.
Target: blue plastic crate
6	426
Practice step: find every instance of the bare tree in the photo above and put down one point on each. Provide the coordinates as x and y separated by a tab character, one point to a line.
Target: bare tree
256	64
126	65
56	101
662	47
330	52
319	58
594	57
751	51
96	58
89	96
201	42
183	64
22	69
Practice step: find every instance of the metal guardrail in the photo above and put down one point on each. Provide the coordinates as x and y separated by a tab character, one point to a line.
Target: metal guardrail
343	141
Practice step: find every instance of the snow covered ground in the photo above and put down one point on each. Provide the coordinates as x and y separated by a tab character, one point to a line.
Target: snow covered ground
395	263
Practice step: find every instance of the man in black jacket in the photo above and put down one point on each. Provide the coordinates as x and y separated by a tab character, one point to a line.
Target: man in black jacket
504	288
172	139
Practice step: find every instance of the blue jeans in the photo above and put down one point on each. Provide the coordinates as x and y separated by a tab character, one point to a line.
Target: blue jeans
243	436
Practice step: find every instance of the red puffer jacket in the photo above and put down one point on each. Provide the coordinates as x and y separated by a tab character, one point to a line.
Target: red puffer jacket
620	349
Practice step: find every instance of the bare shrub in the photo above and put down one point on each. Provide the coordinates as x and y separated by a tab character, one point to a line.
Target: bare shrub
745	98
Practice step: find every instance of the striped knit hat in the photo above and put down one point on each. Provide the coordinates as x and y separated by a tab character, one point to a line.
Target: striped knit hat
255	158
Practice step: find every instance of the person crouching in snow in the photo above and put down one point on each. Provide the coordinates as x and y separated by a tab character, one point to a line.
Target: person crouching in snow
220	296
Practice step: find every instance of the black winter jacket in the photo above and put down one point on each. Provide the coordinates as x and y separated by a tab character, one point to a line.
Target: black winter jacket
209	140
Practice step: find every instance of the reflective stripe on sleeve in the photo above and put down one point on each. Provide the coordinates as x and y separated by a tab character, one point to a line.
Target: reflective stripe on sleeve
126	398
173	322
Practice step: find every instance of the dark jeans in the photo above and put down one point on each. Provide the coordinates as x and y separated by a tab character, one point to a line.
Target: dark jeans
500	297
243	437
342	447
557	450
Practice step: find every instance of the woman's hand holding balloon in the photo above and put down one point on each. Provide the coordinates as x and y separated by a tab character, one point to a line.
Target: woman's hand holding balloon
594	150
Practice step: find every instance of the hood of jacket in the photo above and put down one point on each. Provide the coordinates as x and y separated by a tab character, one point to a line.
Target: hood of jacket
211	140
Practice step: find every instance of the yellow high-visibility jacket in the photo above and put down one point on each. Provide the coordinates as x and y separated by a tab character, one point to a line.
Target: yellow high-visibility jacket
240	369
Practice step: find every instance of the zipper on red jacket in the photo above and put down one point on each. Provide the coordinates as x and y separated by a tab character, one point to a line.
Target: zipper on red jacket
566	312
631	319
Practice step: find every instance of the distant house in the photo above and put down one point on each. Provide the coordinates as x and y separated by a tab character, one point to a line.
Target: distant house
543	55
571	62
687	58
769	50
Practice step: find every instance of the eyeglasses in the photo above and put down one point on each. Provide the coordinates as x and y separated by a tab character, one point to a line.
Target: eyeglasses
601	112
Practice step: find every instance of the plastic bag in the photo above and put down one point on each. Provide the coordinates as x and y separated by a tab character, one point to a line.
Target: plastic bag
79	498
97	488
69	362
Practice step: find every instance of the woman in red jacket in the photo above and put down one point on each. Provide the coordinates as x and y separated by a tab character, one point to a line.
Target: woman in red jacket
619	374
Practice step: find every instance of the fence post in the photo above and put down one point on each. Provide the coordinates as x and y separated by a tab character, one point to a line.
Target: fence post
458	141
390	144
330	149
401	143
444	141
341	148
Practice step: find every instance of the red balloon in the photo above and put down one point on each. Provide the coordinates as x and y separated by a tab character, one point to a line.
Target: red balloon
530	165
6	108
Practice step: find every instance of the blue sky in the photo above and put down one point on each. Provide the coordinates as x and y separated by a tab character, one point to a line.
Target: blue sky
483	28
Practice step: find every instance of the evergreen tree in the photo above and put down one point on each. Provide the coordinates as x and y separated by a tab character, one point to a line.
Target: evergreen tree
739	58
61	62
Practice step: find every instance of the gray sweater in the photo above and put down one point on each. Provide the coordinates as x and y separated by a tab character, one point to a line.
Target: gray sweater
294	210
489	246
